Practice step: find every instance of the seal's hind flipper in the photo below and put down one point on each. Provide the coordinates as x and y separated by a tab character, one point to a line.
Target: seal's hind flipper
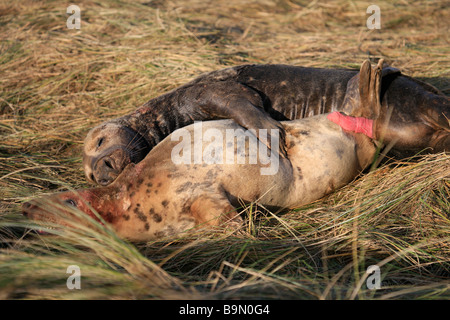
370	89
363	95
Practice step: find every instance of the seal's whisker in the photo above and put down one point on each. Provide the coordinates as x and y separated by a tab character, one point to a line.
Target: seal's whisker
134	152
134	140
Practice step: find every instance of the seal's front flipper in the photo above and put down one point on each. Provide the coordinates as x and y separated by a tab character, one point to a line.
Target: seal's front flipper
232	100
215	211
258	119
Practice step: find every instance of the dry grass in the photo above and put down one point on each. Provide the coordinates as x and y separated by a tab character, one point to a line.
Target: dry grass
57	83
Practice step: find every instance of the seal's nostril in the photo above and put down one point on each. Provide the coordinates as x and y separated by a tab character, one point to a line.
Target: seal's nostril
25	206
108	164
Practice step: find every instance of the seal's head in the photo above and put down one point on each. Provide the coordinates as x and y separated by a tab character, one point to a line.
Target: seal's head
58	208
69	208
108	149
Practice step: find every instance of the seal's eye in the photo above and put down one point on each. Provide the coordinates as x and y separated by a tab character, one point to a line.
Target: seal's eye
100	142
71	202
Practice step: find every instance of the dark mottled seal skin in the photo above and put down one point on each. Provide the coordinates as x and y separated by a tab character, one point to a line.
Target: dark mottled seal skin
159	197
259	96
412	115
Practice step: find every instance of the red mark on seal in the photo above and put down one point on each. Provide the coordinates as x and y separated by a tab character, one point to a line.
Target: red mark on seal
348	123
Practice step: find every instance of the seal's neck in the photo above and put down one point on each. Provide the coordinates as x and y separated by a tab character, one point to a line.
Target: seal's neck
106	201
157	118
